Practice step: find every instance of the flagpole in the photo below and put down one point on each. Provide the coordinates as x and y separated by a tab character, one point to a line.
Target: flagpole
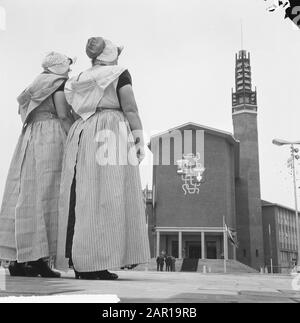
224	247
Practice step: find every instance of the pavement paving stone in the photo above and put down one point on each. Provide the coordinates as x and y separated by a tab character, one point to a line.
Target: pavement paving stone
152	287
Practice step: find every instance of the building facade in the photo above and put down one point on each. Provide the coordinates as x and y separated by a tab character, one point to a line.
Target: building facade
188	221
206	184
280	237
188	215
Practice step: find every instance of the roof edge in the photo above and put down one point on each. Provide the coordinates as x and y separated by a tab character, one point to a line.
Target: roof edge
270	204
212	130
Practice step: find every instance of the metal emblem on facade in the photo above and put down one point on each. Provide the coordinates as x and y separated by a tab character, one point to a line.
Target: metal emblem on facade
191	171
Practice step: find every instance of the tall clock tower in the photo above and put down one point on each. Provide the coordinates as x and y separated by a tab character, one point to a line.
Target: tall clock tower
248	198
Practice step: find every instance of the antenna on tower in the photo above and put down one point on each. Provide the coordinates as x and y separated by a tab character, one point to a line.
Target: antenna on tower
242	34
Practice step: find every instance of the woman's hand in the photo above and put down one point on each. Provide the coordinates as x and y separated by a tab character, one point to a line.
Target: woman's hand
63	111
141	153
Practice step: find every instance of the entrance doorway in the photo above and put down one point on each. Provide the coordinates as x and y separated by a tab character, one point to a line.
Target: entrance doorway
175	248
194	250
211	250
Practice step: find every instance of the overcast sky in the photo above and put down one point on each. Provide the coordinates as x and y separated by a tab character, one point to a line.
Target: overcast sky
181	55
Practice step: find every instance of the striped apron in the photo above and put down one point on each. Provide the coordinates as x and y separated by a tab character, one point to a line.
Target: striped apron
29	212
108	221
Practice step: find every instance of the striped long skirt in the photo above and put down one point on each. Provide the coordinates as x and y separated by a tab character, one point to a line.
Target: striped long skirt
29	212
105	228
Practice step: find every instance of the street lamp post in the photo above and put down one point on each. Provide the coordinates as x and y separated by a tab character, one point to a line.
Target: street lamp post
294	152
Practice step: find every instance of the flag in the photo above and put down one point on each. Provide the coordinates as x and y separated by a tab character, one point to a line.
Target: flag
231	236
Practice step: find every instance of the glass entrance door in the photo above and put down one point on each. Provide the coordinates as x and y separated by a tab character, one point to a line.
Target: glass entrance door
195	252
194	249
211	249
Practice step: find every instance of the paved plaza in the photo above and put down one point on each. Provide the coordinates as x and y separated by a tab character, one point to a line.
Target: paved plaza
150	287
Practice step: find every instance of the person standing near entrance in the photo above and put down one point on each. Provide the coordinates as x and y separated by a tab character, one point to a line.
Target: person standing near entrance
168	261
160	261
173	264
102	214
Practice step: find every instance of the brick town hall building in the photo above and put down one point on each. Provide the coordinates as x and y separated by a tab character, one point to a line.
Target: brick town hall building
187	221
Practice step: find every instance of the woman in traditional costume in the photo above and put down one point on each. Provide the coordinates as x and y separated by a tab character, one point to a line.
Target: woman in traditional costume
29	212
102	214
